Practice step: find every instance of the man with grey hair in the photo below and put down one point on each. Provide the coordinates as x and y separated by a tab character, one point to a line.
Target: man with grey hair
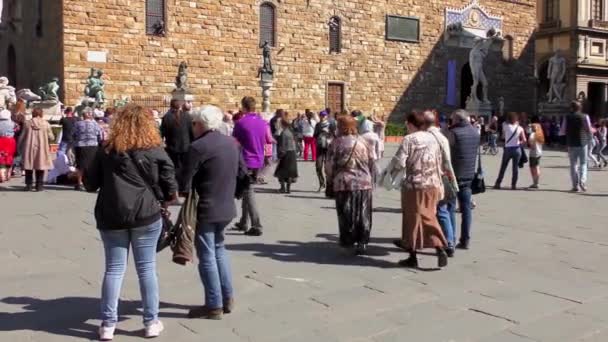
211	170
445	207
464	143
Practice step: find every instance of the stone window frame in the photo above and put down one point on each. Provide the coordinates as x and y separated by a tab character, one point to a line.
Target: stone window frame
590	48
274	34
386	34
164	15
597	10
552	14
335	40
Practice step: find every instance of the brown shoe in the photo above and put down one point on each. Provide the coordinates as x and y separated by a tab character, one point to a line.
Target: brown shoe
229	306
205	312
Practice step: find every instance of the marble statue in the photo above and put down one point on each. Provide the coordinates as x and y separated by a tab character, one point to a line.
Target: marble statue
48	92
181	80
95	86
267	62
477	56
556	71
27	95
7	93
501	106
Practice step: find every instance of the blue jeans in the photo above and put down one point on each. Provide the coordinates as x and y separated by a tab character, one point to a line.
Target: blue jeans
116	244
492	140
214	264
464	200
578	165
512	154
447	219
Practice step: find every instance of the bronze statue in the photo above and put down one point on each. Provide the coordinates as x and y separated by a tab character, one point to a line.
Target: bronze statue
94	88
267	62
48	92
181	80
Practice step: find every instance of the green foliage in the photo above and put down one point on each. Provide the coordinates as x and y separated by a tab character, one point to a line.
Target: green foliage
395	130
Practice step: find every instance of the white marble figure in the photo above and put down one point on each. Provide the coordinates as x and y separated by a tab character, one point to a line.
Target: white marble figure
478	54
7	93
26	94
556	71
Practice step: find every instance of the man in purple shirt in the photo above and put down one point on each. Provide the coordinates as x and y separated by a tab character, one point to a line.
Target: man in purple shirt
250	132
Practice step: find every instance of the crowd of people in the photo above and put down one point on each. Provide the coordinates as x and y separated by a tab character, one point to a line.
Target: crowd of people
139	166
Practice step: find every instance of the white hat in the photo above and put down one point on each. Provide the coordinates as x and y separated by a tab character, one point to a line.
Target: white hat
5	114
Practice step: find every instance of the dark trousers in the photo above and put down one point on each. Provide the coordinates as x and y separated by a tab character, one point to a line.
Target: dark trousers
29	177
509	154
179	160
320	165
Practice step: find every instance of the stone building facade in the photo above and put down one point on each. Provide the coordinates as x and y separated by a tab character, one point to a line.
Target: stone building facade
220	42
579	30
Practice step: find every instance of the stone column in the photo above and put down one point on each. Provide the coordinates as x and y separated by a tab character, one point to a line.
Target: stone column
266	84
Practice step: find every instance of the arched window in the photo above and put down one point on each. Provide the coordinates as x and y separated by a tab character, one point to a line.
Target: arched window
507	49
335	34
268	22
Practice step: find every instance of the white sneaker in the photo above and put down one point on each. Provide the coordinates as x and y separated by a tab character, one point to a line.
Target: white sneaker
154	329
106	333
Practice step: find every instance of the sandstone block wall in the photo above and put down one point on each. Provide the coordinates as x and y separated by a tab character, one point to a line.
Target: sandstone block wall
219	40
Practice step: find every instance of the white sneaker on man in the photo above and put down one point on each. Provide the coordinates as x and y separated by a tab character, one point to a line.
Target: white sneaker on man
106	333
154	329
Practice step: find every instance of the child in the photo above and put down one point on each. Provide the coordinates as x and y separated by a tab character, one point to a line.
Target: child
536	141
287	169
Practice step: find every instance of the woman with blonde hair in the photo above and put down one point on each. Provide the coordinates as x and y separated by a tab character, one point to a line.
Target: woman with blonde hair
535	142
135	179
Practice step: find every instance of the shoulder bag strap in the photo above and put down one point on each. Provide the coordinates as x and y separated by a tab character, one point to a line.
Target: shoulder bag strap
350	157
479	168
145	177
512	135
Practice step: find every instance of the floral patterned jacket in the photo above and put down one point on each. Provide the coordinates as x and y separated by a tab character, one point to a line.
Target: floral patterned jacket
348	173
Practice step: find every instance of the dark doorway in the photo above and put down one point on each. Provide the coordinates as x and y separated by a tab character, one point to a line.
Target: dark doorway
466	82
12	66
596	99
543	84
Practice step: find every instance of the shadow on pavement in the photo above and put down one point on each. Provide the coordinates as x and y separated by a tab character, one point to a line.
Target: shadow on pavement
316	252
68	316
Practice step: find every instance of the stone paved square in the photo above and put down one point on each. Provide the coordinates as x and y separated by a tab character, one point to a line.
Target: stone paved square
536	271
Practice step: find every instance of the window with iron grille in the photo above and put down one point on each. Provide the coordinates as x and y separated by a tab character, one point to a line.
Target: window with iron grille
268	24
551	8
597	9
335	35
155	17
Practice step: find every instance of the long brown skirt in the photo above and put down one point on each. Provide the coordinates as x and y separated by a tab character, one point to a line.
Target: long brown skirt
420	228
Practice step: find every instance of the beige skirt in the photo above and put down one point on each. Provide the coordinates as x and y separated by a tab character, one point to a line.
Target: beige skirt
420	228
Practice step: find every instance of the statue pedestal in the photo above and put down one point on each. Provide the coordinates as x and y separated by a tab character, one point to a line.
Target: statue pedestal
553	109
51	110
478	108
181	95
266	84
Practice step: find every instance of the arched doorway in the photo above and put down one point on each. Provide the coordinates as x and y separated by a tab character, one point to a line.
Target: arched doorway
12	66
466	82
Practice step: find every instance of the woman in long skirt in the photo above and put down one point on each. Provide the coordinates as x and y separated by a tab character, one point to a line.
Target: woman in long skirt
349	166
287	169
422	188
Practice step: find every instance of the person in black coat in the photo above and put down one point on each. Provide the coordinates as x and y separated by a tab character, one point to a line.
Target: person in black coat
176	130
135	179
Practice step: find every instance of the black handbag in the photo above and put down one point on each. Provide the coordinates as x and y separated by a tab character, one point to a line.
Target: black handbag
478	186
168	233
